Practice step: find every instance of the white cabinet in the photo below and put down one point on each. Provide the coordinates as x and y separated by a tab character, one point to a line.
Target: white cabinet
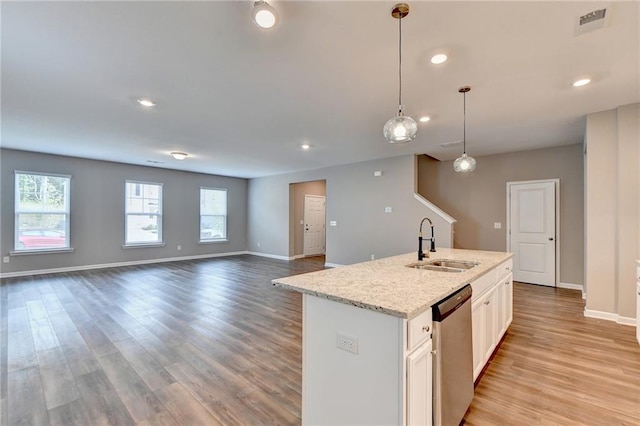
492	313
483	323
420	385
638	304
504	289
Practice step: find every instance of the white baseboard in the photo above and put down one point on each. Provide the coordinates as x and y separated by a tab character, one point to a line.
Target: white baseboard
609	316
332	265
584	295
570	286
116	264
626	321
270	256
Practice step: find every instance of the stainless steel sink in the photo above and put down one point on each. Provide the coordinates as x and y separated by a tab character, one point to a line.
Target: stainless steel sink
459	264
443	265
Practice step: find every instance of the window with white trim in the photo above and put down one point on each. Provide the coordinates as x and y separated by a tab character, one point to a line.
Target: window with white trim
213	214
143	213
41	211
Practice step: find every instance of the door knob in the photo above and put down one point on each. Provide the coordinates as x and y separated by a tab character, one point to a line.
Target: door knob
550	238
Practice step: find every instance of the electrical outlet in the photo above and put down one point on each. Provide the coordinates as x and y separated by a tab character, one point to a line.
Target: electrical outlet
258	244
179	248
497	225
5	259
388	209
347	343
373	257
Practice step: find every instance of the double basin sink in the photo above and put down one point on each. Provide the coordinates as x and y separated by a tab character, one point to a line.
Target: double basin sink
444	265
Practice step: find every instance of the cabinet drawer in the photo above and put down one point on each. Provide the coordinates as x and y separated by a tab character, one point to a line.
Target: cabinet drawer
505	268
483	283
419	329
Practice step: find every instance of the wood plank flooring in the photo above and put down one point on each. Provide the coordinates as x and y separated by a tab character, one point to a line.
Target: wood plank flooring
212	342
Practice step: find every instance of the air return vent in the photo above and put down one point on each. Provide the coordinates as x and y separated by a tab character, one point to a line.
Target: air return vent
592	21
450	144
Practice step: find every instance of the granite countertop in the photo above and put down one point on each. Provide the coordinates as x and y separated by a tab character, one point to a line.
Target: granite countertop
388	286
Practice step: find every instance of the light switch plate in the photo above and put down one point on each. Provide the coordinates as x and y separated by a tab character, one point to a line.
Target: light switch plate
388	209
333	223
497	225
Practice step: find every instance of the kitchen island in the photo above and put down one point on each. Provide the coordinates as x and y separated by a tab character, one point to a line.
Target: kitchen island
367	330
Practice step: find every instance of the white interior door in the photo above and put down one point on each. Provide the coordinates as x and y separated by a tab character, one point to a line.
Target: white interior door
532	231
314	227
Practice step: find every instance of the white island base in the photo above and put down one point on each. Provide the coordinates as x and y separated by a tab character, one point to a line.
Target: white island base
365	387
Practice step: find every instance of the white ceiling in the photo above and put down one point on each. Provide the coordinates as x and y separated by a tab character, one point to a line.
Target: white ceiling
241	100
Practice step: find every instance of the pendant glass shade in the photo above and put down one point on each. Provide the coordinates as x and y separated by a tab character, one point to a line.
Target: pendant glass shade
400	129
264	15
464	163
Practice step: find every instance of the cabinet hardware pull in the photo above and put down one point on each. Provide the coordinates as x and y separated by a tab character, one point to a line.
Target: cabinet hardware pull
486	302
425	328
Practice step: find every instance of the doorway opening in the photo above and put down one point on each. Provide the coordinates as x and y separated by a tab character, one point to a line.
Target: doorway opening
307	219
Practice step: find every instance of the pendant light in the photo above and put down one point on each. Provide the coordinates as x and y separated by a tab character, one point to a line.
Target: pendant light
400	129
264	15
464	163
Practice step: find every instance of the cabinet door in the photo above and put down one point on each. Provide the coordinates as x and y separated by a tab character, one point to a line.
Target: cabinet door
508	301
501	308
420	385
489	319
638	309
477	331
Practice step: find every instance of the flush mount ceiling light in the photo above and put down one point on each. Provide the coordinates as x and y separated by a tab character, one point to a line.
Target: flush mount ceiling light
581	82
465	163
440	58
264	15
179	155
146	102
305	146
425	119
400	129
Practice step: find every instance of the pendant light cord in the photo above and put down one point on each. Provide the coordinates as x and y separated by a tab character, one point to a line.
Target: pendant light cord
400	65
464	126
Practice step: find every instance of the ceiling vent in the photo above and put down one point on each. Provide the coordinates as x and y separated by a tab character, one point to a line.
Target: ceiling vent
592	21
450	144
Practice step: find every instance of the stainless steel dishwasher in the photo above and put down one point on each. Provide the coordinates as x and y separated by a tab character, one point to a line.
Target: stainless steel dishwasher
453	358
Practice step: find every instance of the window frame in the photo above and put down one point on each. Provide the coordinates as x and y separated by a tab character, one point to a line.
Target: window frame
160	214
16	217
225	238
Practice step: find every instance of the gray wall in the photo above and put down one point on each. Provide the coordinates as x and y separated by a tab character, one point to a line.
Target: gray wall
297	191
478	199
612	210
97	211
356	200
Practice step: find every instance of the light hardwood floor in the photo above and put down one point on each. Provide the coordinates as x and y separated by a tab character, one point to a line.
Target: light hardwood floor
212	342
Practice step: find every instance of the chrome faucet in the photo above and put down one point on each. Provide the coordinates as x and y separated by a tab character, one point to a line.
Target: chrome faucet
421	254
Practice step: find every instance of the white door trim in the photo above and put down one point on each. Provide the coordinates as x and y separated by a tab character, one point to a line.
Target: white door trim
556	183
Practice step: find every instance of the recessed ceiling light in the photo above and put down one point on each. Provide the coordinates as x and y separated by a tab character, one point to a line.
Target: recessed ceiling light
440	58
305	146
146	102
179	155
425	119
581	82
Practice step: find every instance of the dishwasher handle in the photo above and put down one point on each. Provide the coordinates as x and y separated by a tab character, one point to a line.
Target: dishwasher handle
451	303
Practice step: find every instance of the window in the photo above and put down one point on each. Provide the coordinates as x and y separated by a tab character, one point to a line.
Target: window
213	214
42	211
143	213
